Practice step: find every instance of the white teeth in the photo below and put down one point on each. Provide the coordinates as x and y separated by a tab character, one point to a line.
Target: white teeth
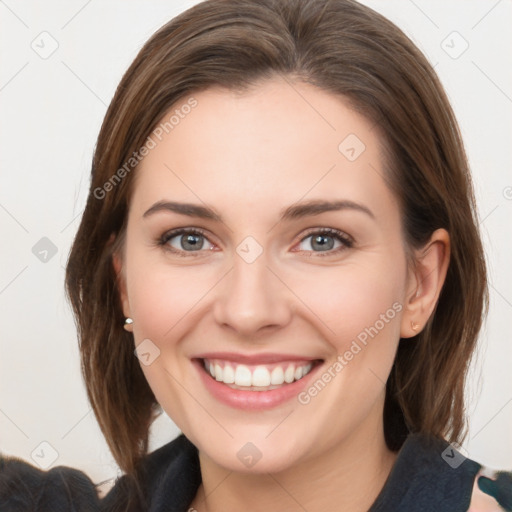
259	377
243	376
289	374
277	377
228	375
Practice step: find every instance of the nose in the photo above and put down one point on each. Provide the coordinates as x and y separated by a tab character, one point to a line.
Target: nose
252	299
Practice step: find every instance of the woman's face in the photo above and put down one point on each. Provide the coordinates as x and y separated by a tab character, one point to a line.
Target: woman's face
263	241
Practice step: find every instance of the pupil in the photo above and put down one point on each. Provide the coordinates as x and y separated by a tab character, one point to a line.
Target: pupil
191	242
322	242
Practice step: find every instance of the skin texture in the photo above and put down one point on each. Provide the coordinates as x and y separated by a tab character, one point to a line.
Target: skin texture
481	502
249	156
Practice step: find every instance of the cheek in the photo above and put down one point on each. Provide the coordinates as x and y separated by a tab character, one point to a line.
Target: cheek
162	296
357	303
165	303
358	310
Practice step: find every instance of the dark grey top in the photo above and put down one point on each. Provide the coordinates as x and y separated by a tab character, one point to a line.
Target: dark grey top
428	475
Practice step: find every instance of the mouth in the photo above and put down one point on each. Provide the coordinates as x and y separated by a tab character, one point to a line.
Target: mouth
255	383
260	377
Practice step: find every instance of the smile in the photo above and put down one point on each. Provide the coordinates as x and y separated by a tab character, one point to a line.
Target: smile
245	385
256	377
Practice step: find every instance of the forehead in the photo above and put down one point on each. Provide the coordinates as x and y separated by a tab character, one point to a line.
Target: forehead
274	144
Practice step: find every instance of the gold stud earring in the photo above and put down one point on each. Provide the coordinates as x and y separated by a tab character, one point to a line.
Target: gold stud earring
414	326
128	325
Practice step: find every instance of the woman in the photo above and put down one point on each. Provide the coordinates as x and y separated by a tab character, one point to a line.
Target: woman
281	223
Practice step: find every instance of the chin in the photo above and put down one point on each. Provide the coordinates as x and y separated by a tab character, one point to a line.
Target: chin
266	463
253	454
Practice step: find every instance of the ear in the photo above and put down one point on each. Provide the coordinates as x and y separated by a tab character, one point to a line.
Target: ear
117	263
425	282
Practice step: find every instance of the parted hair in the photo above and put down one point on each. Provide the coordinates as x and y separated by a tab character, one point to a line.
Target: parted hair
350	51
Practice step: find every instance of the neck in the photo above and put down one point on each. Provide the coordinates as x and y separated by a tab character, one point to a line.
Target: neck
350	475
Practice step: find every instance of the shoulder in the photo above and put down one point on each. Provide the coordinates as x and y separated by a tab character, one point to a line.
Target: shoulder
432	474
24	487
170	477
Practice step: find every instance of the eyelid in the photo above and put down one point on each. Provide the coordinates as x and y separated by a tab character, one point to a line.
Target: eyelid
327	231
346	240
180	231
163	239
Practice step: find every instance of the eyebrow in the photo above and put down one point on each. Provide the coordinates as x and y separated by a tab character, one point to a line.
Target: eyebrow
294	211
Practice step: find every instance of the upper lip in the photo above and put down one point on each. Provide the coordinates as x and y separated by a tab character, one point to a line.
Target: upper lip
254	359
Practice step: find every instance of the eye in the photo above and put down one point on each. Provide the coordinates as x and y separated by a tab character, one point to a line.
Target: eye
325	240
186	240
193	240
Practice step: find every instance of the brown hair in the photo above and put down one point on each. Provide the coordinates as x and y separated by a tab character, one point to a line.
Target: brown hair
348	50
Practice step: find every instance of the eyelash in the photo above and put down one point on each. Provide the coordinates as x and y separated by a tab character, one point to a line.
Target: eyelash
346	241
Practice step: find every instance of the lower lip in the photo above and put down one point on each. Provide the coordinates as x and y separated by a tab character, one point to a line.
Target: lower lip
253	400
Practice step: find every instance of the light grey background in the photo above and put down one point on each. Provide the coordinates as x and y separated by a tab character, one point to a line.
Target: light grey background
52	105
